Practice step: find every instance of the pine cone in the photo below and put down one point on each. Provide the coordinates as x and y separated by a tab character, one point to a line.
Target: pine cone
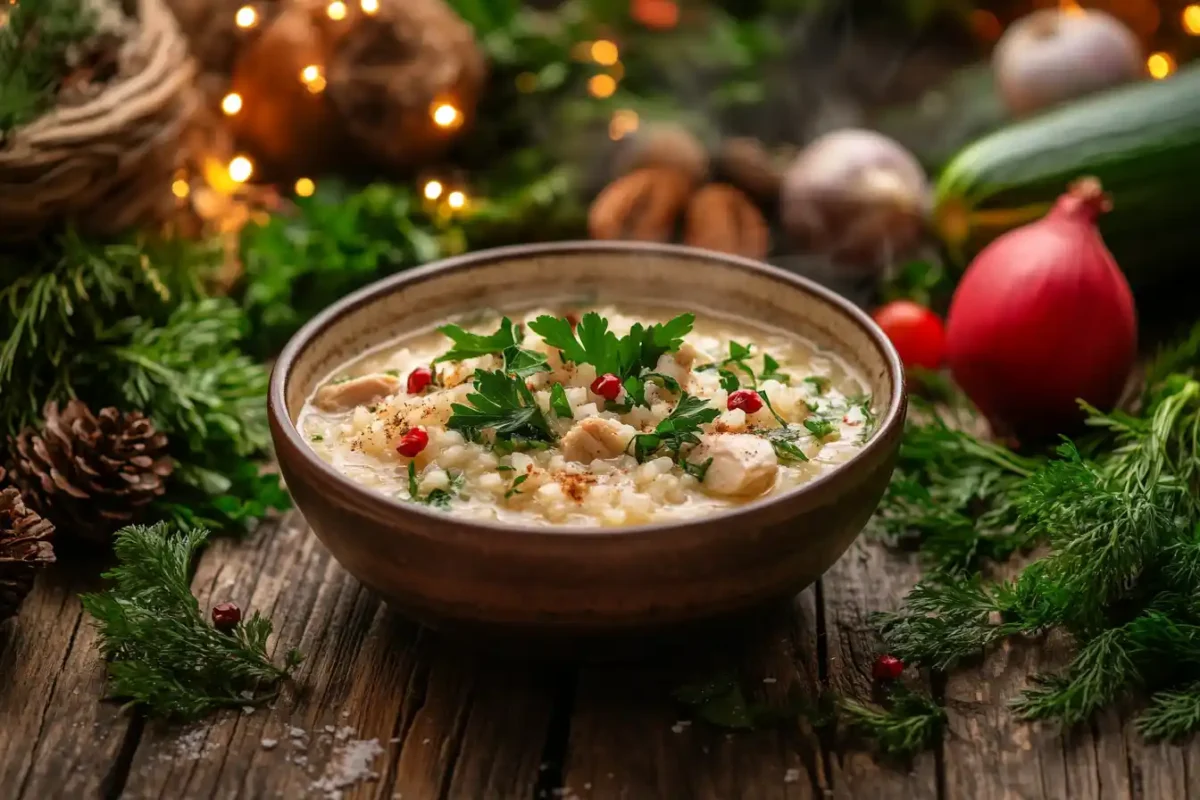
24	547
90	474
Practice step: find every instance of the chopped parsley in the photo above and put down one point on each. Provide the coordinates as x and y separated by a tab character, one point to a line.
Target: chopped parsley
515	487
559	403
739	354
523	363
819	383
820	427
395	373
504	404
783	439
317	437
771	371
697	471
677	430
438	498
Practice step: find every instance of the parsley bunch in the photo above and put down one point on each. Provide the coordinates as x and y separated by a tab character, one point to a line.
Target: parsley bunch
503	403
162	653
680	428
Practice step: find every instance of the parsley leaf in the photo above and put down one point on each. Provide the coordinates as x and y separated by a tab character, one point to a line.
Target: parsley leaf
591	342
504	404
738	354
697	471
596	345
559	403
819	383
523	363
783	439
514	488
472	345
771	371
676	430
819	427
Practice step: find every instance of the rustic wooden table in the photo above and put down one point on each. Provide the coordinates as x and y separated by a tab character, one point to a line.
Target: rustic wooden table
447	726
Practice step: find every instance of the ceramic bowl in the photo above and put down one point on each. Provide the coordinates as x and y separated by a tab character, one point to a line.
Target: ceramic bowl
539	584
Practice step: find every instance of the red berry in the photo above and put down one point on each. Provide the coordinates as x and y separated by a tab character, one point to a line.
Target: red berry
413	442
418	379
226	616
887	668
607	386
747	400
916	332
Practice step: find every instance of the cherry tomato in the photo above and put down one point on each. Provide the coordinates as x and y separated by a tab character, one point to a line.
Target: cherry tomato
412	443
607	386
418	379
916	332
747	400
887	668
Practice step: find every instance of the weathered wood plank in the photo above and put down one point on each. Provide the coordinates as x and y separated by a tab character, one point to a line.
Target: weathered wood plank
992	754
867	578
628	738
57	739
369	675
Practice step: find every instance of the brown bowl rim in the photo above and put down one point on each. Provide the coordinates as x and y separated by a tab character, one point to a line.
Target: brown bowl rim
386	509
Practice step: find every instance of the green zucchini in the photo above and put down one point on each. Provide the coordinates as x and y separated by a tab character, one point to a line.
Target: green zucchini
1141	140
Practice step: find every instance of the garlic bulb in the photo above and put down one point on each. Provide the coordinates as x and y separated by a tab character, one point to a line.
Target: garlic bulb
857	196
1055	55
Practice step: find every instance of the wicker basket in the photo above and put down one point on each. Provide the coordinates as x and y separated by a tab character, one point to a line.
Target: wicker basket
107	164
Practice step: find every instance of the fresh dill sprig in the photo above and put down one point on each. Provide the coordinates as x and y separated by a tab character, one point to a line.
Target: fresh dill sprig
161	652
907	723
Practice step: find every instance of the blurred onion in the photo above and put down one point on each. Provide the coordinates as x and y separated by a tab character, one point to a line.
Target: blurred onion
857	196
1055	55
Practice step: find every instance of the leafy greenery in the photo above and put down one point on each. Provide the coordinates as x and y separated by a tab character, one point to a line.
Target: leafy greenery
906	724
162	654
473	345
438	498
680	428
1120	513
34	45
626	357
503	404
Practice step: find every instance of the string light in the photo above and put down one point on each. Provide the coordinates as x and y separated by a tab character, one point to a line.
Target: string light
624	122
246	17
444	115
604	52
305	187
369	7
336	10
240	169
312	78
602	85
232	103
180	188
456	200
1160	65
1191	19
433	190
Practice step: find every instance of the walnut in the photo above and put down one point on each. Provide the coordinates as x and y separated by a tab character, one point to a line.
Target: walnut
722	218
644	205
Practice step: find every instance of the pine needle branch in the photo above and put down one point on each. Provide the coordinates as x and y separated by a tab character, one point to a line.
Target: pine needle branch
162	654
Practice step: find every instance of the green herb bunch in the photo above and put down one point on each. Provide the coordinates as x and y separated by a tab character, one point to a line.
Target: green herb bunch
161	652
128	323
1120	514
34	45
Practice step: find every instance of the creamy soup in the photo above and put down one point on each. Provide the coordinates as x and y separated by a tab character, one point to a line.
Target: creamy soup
600	416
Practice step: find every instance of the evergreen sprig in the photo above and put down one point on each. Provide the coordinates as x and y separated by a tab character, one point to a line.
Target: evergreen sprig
34	53
162	654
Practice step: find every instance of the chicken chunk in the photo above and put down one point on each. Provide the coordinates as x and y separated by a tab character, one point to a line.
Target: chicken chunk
743	465
677	365
356	392
596	437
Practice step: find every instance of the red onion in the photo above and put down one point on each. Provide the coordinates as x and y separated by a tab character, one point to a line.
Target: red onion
1052	55
1043	317
857	196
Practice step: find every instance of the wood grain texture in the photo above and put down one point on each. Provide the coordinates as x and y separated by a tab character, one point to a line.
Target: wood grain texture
628	739
57	739
446	726
867	578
